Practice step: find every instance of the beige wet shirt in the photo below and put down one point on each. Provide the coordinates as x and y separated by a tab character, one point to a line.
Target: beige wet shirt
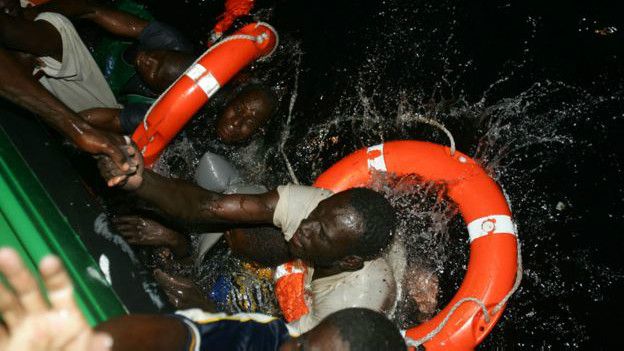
372	287
77	80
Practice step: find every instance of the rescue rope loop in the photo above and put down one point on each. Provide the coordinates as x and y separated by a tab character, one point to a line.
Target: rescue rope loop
486	315
440	126
277	39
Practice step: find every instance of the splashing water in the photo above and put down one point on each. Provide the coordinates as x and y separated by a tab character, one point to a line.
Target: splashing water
536	135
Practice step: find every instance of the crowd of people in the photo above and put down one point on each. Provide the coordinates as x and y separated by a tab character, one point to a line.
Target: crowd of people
46	68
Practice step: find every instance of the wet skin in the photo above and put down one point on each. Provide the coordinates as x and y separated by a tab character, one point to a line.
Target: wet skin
146	232
244	115
328	233
160	68
323	337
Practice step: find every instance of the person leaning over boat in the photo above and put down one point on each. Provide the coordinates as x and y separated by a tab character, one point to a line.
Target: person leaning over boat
26	45
340	236
33	324
18	86
160	55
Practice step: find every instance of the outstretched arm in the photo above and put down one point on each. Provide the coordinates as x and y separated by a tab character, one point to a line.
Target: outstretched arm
182	200
191	203
112	20
20	88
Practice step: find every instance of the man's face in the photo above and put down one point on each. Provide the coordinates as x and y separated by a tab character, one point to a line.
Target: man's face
10	7
243	116
328	233
320	338
160	68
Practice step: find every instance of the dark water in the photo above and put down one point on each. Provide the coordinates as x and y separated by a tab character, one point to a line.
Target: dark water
533	90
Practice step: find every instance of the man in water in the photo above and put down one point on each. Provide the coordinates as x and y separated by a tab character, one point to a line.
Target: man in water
33	324
339	236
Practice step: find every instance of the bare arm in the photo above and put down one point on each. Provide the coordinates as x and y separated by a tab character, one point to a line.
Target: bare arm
20	88
146	332
112	20
39	38
191	203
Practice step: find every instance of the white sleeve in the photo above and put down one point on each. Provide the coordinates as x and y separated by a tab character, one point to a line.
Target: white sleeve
294	205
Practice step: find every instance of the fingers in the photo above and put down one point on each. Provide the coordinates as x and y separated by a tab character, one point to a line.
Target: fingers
100	342
114	175
118	154
171	281
58	283
129	220
110	172
22	280
131	228
4	337
10	308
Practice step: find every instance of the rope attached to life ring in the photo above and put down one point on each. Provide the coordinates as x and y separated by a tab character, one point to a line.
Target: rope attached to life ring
486	315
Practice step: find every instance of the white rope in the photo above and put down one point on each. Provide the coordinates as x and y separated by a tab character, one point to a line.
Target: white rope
441	127
277	39
486	315
259	39
291	106
291	171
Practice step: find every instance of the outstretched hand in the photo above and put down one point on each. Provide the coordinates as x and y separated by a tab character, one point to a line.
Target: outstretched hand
142	231
101	143
115	176
30	323
182	292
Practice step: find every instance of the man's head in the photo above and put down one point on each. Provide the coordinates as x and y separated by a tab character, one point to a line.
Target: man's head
11	7
350	329
345	230
247	112
160	68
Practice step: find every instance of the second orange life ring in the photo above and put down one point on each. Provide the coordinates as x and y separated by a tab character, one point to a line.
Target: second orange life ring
494	252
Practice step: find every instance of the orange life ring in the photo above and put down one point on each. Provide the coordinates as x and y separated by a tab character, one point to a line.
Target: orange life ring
190	92
493	263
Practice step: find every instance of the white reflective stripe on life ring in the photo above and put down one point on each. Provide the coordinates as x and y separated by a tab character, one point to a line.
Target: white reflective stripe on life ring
286	269
378	162
209	84
204	79
196	71
495	224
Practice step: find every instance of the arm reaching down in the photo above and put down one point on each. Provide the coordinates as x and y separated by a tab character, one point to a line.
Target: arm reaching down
21	89
182	200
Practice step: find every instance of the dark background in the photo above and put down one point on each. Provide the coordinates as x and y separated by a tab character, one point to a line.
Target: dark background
567	200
